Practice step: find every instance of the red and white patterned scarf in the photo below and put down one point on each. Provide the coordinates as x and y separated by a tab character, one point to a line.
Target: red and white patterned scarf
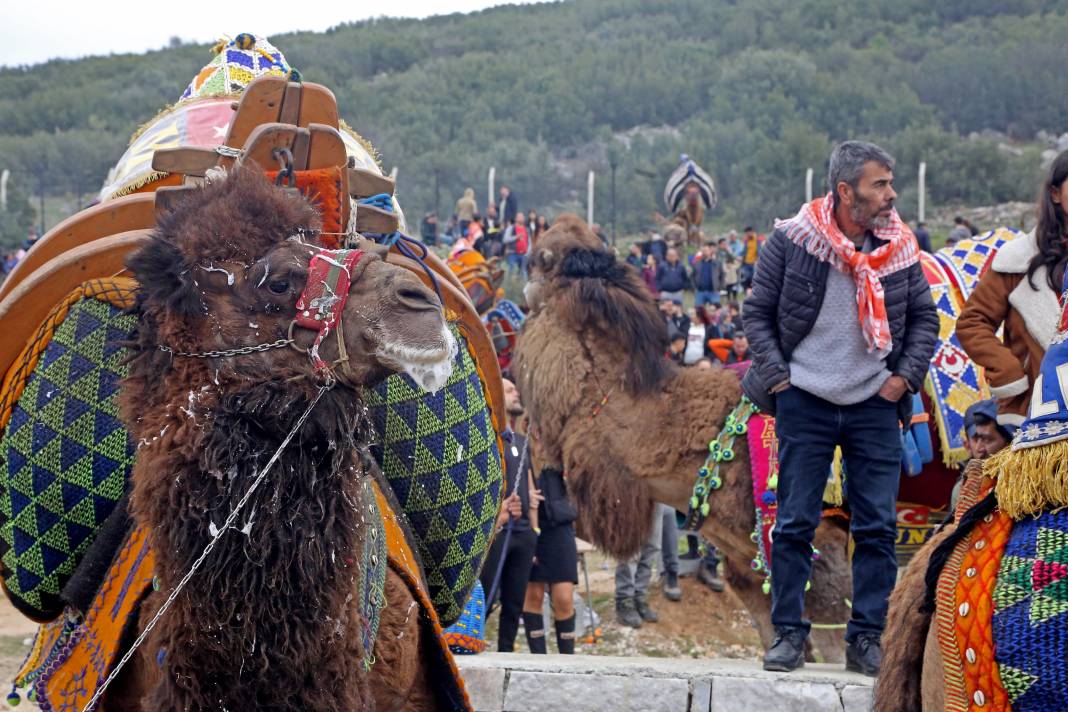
816	230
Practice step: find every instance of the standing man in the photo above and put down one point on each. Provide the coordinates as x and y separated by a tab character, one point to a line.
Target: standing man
923	238
708	275
506	208
519	513
750	253
842	327
671	276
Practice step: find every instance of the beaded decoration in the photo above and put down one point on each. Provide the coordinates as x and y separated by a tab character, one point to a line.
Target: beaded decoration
720	450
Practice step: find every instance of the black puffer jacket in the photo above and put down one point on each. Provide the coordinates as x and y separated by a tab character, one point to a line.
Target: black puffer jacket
788	290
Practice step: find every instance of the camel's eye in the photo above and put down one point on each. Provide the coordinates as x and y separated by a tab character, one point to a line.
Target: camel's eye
278	286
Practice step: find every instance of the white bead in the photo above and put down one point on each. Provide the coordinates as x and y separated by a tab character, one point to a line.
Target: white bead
988	518
964	608
970	655
970	573
980	544
979	697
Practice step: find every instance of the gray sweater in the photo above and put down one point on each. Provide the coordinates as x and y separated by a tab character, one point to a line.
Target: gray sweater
832	361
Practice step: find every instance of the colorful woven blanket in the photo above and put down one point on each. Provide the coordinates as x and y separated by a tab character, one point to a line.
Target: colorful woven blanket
467	636
1031	614
953	381
441	456
965	262
66	454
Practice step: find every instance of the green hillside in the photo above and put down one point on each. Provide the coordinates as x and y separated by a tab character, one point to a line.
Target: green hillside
755	90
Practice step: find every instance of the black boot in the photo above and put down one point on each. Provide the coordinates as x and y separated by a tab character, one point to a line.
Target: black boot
534	625
626	614
787	653
648	614
565	635
864	655
670	587
706	574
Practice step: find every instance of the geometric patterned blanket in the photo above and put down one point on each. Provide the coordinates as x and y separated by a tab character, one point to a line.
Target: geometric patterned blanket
1031	614
440	455
65	453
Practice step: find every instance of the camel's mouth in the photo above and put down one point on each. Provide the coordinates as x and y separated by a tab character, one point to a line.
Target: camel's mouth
429	366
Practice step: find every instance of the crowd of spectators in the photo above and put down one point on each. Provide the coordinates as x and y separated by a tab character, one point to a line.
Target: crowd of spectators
12	257
501	230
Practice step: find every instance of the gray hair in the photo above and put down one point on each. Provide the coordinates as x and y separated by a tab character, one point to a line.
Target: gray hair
847	163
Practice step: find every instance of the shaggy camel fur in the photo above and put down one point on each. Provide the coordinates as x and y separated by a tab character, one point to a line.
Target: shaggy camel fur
595	335
910	677
271	620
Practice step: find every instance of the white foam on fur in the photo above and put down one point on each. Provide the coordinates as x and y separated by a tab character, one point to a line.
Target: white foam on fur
427	367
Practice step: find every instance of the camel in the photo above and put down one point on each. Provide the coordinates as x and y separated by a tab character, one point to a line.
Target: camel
270	620
628	428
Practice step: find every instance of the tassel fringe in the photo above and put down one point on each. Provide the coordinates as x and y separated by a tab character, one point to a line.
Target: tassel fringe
1032	480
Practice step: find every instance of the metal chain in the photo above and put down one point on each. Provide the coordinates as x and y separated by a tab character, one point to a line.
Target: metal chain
239	351
207	550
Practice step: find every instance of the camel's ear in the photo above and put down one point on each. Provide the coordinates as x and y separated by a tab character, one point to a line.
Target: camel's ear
547	259
166	277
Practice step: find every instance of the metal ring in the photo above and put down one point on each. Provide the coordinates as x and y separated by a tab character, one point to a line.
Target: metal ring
292	341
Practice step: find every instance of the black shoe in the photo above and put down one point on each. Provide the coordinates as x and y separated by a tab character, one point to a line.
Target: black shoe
627	614
648	614
670	587
787	653
864	655
707	575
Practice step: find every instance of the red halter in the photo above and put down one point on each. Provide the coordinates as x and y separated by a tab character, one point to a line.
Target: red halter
323	300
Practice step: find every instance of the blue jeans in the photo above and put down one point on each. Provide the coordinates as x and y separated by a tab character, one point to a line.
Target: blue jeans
809	428
701	298
517	263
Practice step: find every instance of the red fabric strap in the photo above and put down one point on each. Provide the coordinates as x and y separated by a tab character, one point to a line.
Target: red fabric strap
327	290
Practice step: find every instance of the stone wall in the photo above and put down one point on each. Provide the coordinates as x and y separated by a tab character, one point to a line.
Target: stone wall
500	682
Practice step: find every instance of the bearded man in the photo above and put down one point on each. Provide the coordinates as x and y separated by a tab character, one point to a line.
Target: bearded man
841	327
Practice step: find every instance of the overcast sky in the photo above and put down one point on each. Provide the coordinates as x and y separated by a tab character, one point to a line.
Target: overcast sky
37	30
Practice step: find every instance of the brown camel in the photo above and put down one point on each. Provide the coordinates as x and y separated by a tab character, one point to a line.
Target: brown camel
595	337
270	621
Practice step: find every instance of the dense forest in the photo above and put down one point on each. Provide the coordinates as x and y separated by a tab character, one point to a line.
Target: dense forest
755	90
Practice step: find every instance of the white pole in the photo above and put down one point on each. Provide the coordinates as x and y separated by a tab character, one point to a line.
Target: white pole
589	198
490	200
3	189
922	211
808	186
393	174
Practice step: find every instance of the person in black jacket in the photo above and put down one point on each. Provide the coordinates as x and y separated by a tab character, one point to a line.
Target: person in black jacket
841	327
708	275
671	276
518	540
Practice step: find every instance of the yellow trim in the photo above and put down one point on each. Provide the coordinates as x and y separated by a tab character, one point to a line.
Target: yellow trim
1031	480
951	457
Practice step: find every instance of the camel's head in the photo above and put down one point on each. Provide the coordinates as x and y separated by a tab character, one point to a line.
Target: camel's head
228	266
546	261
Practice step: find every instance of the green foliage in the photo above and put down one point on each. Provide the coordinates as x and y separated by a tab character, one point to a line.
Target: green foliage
757	91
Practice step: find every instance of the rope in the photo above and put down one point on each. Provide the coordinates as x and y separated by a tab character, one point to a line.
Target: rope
507	534
207	550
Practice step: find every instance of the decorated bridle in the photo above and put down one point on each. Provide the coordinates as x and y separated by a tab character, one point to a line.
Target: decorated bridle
319	308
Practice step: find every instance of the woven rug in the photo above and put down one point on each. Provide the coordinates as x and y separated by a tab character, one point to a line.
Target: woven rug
66	454
1031	614
953	381
440	455
965	262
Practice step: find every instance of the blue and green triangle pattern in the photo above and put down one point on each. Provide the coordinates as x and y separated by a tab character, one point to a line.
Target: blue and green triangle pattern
439	453
65	456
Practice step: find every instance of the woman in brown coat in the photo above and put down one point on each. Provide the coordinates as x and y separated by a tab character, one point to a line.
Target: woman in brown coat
1020	291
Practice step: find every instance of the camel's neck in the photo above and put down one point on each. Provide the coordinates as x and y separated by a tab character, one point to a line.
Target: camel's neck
281	580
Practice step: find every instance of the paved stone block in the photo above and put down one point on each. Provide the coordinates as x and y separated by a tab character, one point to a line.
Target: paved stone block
485	686
701	697
857	699
746	694
557	692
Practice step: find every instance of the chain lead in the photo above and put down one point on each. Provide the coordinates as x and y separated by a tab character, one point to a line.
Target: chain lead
240	351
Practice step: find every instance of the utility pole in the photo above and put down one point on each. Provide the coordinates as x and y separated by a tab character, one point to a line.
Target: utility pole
808	186
612	163
922	207
3	189
589	198
489	187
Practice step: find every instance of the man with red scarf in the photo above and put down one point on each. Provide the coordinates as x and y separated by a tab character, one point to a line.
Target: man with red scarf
842	327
